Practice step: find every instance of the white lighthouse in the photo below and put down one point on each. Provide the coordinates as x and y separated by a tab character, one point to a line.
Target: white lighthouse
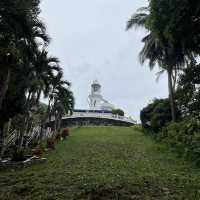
96	101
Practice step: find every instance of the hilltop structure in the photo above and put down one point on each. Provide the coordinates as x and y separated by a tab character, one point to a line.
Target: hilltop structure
99	112
96	100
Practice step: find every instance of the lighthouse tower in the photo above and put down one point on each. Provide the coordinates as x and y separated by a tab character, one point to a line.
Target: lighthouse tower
95	98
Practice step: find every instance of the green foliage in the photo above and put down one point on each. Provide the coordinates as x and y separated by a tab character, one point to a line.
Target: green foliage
177	23
158	50
119	112
27	72
184	138
156	115
188	93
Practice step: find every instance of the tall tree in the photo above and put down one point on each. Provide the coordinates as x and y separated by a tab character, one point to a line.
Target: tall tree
19	24
158	51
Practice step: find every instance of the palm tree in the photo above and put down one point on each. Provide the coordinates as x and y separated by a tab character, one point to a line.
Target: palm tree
19	27
25	60
61	100
57	83
63	104
20	32
158	52
45	67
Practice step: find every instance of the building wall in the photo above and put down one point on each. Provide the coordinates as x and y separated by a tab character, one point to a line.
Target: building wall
81	121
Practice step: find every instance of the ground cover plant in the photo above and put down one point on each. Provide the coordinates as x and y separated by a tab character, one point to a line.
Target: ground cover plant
105	163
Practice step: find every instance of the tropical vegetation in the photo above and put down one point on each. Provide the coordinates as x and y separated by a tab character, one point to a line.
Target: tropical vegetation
172	44
118	111
28	73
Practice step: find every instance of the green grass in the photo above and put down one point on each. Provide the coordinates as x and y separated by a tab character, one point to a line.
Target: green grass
104	163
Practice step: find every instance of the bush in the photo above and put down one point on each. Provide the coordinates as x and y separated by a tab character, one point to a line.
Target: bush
156	115
18	154
184	138
65	133
50	143
118	112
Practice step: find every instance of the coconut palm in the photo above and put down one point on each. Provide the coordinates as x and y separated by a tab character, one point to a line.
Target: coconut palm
156	51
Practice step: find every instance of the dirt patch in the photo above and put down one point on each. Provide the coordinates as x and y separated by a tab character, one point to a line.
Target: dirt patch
110	193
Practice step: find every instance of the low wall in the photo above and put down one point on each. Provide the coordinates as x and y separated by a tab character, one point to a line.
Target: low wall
83	121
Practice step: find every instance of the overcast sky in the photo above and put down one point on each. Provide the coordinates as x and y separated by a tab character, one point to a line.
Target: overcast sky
89	38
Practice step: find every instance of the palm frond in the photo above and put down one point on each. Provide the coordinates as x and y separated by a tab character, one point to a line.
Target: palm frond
137	20
158	74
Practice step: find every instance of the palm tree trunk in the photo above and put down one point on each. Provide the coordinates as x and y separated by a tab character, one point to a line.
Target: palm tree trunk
174	80
4	82
1	139
38	95
59	122
41	131
171	95
5	133
49	111
55	123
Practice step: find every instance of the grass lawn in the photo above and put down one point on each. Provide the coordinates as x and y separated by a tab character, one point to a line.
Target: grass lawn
104	163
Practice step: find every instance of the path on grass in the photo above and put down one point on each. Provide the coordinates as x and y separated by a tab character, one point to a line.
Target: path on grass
104	163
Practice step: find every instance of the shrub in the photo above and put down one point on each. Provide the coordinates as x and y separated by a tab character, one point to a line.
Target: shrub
184	138
50	143
119	112
156	115
18	154
65	133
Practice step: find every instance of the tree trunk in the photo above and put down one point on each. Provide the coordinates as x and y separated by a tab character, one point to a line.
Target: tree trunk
38	95
174	80
171	95
5	134
49	111
1	139
59	122
24	129
4	82
55	123
41	131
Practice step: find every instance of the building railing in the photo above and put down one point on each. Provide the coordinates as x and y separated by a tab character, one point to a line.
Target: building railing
101	115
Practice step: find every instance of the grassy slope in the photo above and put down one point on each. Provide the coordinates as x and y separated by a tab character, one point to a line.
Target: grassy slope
104	163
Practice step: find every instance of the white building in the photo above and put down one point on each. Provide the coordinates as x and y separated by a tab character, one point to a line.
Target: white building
96	100
99	112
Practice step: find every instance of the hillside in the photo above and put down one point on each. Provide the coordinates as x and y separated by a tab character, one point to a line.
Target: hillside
103	163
